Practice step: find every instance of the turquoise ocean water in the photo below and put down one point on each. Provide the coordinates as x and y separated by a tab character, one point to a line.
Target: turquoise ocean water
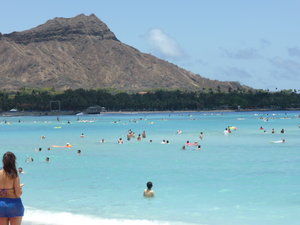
242	178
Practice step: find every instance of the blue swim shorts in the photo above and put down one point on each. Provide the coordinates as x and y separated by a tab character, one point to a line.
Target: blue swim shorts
11	207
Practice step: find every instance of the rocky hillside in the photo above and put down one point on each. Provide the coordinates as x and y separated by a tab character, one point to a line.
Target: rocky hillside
82	52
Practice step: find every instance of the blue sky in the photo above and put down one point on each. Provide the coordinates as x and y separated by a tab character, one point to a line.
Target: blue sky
254	42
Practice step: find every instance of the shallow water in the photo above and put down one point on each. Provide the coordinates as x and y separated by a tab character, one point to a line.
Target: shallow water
237	179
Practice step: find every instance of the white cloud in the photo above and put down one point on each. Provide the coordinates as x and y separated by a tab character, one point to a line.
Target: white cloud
164	45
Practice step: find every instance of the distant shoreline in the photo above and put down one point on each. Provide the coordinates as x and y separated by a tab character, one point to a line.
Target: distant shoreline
74	113
203	111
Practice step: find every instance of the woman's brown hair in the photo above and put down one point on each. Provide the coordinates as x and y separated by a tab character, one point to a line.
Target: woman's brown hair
9	165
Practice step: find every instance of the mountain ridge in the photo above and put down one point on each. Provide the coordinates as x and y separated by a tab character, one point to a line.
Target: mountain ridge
82	52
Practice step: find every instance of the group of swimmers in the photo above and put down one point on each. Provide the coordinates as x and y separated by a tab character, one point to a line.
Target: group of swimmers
47	159
282	131
131	134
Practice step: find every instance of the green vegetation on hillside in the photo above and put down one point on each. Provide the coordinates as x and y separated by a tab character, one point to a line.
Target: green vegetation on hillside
80	99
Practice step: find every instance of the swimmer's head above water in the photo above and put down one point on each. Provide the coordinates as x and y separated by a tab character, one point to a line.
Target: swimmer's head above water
149	185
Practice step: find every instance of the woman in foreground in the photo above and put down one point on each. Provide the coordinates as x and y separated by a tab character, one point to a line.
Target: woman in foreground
11	207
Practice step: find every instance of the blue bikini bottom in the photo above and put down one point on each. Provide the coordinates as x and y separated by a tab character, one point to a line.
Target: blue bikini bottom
11	207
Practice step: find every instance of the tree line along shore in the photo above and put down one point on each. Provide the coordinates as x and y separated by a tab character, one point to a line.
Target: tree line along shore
49	100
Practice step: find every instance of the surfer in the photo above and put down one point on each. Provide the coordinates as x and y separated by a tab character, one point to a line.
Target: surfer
280	141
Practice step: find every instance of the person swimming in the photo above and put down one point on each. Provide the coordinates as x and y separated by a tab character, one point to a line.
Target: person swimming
139	137
144	134
29	159
20	170
120	141
201	135
149	193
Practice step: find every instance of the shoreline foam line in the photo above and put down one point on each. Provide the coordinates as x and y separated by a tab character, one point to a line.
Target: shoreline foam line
41	217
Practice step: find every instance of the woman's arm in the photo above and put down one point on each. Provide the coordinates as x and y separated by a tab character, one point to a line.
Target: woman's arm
17	187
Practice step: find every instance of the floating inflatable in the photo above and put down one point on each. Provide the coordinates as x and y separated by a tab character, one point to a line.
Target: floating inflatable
233	128
62	146
192	144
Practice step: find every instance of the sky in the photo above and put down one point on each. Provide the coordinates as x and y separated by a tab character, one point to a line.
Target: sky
256	43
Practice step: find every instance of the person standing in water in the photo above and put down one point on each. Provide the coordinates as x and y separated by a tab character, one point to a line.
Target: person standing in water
11	206
201	135
149	193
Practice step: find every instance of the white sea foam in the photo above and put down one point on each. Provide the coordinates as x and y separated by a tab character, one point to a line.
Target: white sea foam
40	217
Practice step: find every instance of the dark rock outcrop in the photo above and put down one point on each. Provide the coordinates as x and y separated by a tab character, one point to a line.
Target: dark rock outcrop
64	29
